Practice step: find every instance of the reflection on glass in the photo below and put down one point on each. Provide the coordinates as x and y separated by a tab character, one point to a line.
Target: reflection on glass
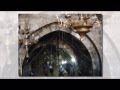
58	56
59	63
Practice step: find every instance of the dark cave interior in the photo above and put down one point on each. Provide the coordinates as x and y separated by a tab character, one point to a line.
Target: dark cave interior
59	49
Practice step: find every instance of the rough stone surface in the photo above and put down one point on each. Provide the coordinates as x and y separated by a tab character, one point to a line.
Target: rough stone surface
38	20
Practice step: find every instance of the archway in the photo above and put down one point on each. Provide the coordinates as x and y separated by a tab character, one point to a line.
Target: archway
60	48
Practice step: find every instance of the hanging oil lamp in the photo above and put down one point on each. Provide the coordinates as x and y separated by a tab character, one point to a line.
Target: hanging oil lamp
26	43
81	26
27	36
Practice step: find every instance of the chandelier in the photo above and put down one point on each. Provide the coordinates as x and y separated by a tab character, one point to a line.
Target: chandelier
81	26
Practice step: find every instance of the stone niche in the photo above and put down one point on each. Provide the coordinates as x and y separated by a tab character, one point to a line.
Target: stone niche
43	24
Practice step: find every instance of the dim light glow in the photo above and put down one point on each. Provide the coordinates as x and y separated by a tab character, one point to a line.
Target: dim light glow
64	62
73	59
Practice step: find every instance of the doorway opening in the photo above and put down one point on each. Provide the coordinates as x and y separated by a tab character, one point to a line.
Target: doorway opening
58	54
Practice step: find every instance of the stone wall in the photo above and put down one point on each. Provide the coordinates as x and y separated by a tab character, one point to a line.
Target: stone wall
36	21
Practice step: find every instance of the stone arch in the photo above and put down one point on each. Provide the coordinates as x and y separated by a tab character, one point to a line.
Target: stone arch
82	54
54	26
